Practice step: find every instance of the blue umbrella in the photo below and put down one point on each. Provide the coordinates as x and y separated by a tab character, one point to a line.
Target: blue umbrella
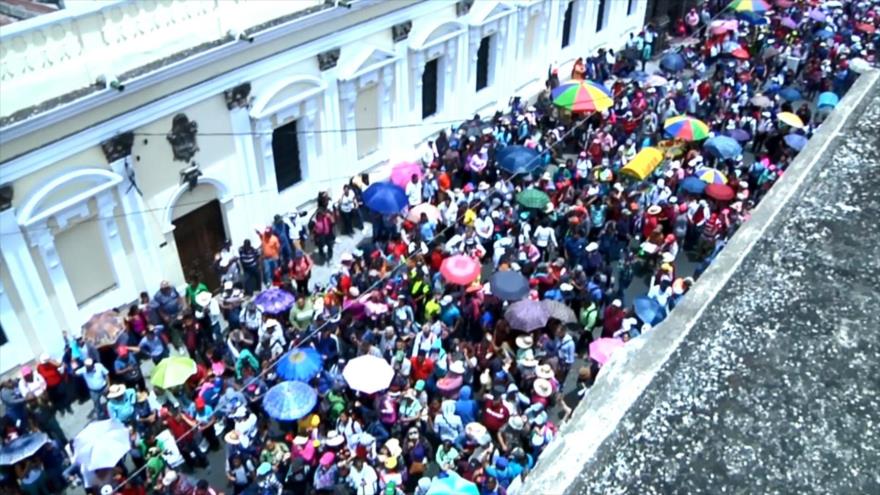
301	364
290	401
274	301
385	197
21	448
692	184
518	159
722	147
827	99
824	34
638	76
740	135
672	62
509	285
648	310
752	18
796	141
451	483
790	94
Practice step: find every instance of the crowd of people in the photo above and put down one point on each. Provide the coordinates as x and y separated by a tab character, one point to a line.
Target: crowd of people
473	396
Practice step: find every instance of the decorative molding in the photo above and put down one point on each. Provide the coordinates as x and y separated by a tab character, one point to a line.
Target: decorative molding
238	97
462	7
183	137
400	32
327	60
118	147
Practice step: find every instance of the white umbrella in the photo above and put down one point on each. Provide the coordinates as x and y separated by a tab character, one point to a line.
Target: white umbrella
101	444
368	374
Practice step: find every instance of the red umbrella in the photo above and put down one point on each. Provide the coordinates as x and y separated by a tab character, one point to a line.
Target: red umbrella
460	269
740	53
866	28
720	192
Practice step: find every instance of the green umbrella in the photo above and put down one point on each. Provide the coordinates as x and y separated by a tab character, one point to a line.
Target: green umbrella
173	371
533	198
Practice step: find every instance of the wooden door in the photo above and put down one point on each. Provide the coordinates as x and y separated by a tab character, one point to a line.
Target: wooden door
200	235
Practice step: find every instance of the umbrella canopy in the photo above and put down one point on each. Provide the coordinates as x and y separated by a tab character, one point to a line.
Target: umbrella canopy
865	27
648	310
686	128
824	34
415	213
460	269
643	164
450	483
789	94
756	6
385	198
827	100
672	62
720	192
518	159
740	53
638	76
509	285
761	101
402	173
740	135
656	80
790	119
723	147
753	18
711	176
101	444
290	401
21	448
602	349
692	184
173	371
582	96
527	315
533	198
560	311
818	15
274	301
788	22
368	374
722	26
784	4
104	328
796	141
301	364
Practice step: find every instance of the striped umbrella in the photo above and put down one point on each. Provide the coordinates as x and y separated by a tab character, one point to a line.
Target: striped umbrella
583	96
756	6
711	176
686	128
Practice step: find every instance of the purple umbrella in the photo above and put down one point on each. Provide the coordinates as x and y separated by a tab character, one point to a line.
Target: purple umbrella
738	134
527	315
817	15
274	301
788	22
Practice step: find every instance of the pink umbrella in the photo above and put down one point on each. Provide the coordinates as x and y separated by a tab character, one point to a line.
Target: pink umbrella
602	349
788	22
723	26
460	269
415	213
402	173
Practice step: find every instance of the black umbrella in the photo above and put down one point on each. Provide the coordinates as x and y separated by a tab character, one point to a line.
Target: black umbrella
509	285
21	448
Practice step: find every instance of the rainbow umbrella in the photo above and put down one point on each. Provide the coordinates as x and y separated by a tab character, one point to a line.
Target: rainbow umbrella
583	96
755	6
711	176
686	128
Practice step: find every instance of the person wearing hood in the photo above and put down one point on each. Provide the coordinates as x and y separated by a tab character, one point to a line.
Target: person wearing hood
448	425
466	407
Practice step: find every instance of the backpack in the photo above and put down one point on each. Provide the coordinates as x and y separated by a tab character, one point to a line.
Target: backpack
322	225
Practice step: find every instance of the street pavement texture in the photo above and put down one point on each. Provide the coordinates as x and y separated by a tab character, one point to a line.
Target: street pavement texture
776	389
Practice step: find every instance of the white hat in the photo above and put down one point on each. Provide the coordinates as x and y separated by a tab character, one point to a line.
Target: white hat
545	371
346	257
169	478
483	186
334	439
592	247
566	287
115	391
457	367
543	388
354	292
446	300
228	285
516	423
616	303
668	257
44	358
203	298
525	341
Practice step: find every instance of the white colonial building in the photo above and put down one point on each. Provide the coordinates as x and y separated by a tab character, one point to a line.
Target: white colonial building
136	136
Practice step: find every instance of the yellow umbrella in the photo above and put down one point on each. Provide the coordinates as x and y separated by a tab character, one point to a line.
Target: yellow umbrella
641	166
790	119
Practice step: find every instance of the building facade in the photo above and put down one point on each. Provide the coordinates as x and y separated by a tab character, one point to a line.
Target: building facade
138	136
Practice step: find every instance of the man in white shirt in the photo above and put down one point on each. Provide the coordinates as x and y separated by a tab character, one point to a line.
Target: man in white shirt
347	205
484	227
414	191
362	478
545	239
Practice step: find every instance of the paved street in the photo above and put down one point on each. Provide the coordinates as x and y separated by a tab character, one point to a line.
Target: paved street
776	388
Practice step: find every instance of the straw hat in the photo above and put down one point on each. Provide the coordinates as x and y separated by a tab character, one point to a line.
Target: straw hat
232	438
115	391
525	341
543	388
475	430
334	439
545	371
654	210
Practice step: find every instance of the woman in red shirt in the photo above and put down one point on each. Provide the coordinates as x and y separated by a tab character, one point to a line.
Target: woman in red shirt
52	372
